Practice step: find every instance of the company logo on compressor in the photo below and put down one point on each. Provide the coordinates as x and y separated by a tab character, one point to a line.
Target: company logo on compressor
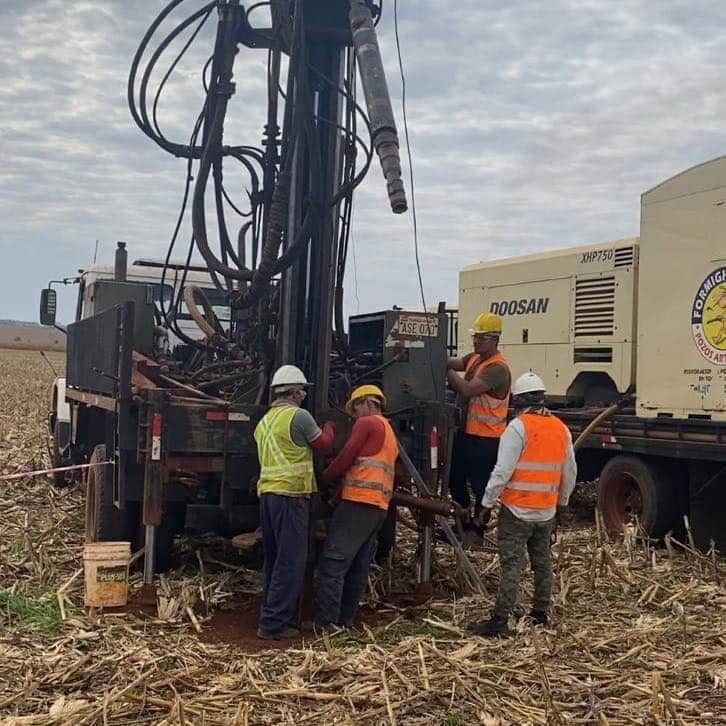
708	317
523	306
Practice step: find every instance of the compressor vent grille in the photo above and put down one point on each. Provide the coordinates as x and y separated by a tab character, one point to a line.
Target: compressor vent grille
624	256
595	307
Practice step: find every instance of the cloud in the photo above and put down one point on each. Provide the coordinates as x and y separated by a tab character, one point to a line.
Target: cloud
530	129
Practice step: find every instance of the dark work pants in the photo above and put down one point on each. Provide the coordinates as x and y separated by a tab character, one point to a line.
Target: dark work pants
285	523
344	564
515	536
472	460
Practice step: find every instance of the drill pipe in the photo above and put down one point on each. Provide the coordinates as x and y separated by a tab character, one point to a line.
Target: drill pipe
378	102
426	504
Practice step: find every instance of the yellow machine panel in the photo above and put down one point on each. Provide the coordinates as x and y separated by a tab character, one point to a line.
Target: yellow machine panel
682	296
568	315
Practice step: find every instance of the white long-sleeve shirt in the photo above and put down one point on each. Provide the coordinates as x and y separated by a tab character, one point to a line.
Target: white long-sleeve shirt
511	445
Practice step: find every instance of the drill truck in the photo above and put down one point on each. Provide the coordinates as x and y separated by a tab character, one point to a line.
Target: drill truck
630	338
167	377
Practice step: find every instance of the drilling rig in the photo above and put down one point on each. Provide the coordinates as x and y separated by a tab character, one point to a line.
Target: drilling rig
173	411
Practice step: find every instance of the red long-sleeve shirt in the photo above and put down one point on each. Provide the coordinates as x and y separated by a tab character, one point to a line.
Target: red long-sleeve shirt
324	443
366	439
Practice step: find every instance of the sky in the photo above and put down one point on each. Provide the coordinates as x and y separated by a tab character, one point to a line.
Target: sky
532	125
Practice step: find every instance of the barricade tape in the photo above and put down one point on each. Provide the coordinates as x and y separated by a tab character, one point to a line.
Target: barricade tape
38	472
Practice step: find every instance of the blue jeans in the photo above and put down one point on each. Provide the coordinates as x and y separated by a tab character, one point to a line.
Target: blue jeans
344	564
285	523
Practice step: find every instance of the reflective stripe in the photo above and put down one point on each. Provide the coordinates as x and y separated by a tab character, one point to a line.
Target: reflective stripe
363	484
376	464
487	419
527	486
538	466
302	468
268	438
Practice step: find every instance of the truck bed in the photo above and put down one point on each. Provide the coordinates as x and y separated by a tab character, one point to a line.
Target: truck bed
664	436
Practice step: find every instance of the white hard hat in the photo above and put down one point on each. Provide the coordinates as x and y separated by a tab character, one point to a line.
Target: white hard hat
288	376
528	383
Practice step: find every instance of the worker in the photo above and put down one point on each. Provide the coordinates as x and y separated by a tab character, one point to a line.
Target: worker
367	467
484	389
286	436
534	476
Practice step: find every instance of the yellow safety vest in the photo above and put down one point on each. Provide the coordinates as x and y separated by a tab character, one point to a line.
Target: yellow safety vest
285	467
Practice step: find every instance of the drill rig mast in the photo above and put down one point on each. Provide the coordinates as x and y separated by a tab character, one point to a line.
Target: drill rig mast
282	269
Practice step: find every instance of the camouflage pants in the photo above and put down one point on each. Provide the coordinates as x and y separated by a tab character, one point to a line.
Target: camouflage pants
514	536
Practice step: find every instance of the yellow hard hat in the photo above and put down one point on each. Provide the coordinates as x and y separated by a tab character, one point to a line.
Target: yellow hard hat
487	323
361	392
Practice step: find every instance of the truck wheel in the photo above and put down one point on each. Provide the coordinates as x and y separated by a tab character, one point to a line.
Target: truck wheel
630	487
58	444
104	521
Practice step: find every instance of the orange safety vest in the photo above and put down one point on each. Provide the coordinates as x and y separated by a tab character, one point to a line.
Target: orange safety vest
535	483
370	479
486	416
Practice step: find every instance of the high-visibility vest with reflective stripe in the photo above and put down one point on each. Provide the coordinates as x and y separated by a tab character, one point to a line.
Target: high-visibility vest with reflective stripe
486	416
285	467
535	483
370	479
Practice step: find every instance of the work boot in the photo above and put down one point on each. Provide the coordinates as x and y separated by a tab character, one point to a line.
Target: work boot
289	632
539	617
494	628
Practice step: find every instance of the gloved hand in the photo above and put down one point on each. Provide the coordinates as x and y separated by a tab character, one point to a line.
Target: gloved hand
330	427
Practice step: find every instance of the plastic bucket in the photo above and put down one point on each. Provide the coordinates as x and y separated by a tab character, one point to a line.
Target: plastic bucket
106	566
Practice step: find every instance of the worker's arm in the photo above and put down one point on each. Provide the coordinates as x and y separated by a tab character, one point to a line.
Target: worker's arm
456	364
467	389
304	430
366	431
510	448
569	474
323	444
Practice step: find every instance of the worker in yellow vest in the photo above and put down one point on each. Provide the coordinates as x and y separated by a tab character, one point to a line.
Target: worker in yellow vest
533	478
367	466
484	391
286	436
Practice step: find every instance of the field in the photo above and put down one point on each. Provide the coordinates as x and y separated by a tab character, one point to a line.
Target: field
638	633
27	336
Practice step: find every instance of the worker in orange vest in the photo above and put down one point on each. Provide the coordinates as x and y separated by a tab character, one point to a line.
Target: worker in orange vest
533	478
484	389
367	466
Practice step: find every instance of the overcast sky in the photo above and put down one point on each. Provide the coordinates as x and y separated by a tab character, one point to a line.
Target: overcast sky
530	129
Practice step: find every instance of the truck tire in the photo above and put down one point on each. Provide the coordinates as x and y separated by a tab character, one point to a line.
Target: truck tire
104	521
59	443
630	487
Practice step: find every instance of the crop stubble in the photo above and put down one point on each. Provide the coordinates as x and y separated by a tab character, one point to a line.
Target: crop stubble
638	634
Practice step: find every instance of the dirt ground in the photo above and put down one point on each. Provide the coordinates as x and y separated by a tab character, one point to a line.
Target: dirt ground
638	634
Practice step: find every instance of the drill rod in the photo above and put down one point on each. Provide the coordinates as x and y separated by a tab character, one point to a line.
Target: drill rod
445	527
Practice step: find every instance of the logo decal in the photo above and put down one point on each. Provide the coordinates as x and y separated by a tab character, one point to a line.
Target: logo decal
708	317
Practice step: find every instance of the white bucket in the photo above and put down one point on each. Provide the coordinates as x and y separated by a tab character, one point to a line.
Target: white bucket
106	566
